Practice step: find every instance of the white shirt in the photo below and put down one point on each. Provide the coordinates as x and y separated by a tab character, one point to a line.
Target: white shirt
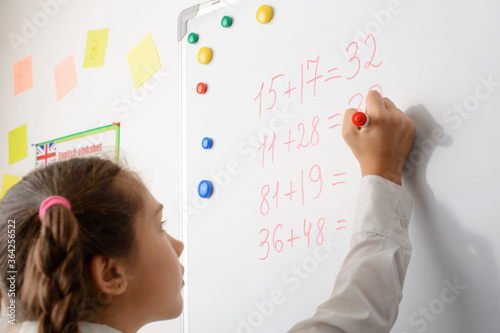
85	327
369	285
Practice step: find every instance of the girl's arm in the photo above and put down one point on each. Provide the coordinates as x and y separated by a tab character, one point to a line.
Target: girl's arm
369	285
368	288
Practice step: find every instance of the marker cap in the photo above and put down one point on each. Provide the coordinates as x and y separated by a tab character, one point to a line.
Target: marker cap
360	119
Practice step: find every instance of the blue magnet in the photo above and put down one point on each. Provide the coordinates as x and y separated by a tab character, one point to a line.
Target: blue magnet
206	143
205	189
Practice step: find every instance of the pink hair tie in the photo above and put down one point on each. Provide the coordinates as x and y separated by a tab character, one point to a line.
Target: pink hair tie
51	201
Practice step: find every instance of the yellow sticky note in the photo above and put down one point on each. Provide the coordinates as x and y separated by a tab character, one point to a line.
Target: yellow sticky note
23	75
18	144
8	182
143	61
97	42
65	77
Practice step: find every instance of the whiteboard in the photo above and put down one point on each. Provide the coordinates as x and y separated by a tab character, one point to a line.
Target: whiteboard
274	105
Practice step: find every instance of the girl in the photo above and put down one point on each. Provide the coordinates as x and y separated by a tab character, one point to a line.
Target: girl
91	254
97	254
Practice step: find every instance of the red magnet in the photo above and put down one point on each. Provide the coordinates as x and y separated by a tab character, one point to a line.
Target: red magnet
201	88
360	119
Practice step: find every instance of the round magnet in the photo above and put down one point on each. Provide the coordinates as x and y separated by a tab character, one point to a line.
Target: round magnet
201	88
205	55
192	38
205	189
226	21
265	14
206	143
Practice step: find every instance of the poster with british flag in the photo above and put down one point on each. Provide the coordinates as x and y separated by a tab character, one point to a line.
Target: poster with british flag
46	154
102	139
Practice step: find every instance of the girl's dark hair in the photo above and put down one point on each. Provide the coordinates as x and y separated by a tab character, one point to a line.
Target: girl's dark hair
52	256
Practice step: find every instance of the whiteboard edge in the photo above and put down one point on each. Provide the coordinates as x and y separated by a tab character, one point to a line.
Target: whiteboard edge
185	16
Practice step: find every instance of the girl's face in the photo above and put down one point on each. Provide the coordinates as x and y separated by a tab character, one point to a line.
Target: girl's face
157	280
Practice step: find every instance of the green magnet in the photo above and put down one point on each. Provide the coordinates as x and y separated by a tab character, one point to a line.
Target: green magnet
192	38
226	21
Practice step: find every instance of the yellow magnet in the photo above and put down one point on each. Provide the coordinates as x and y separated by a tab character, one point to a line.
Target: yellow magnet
205	55
265	14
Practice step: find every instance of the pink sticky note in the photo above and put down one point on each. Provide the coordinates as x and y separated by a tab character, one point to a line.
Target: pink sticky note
23	75
65	77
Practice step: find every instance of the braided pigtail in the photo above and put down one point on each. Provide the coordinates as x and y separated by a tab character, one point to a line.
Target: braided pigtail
54	284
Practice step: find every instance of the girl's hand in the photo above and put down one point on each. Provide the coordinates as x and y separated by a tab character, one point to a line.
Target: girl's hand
383	146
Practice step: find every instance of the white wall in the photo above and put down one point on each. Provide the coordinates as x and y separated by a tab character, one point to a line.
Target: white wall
149	130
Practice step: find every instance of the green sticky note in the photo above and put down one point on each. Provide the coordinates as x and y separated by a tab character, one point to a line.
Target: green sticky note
18	144
143	61
8	182
95	52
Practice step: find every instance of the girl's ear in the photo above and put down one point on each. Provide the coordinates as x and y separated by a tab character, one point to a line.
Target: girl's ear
108	275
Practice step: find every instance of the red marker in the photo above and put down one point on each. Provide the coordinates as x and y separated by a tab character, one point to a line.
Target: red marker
360	119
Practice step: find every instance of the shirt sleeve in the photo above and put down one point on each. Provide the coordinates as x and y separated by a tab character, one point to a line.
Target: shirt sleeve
368	287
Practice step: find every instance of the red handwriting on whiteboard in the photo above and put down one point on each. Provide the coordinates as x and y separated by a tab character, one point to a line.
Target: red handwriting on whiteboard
307	136
259	97
276	239
341	224
370	63
339	182
357	100
314	133
289	91
273	193
334	76
354	57
310	76
357	60
268	147
316	76
336	118
271	92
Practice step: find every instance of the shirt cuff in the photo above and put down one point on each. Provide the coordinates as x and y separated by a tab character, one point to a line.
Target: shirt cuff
383	207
